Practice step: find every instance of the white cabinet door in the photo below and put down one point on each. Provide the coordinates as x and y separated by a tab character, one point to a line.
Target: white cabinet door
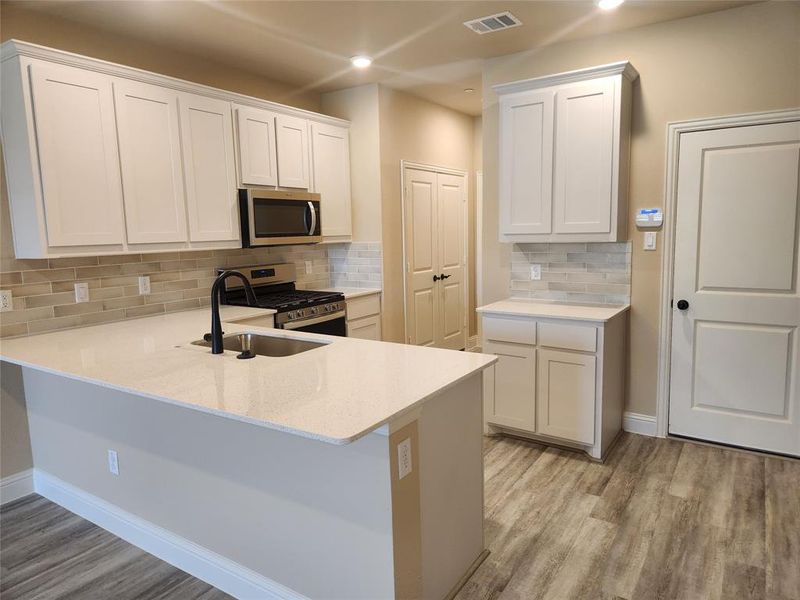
258	163
293	155
565	398
582	193
330	155
368	328
78	155
513	387
451	326
211	190
150	157
526	162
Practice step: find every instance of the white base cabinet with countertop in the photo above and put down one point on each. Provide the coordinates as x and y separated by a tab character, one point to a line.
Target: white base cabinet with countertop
363	314
560	374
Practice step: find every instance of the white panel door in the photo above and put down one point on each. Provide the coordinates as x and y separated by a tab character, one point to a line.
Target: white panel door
258	163
582	191
451	197
293	155
422	256
78	155
735	352
209	170
565	397
526	162
150	156
330	152
512	386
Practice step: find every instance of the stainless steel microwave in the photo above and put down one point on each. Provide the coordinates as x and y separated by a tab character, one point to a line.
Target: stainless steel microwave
277	217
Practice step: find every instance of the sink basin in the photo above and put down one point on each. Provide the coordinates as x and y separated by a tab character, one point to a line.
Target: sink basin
263	345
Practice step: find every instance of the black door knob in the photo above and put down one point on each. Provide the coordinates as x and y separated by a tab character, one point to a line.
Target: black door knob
683	304
437	278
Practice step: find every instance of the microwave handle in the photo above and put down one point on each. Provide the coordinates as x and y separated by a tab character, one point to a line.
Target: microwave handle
313	227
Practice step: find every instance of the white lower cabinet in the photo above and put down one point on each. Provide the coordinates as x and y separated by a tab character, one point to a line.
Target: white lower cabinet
556	380
364	316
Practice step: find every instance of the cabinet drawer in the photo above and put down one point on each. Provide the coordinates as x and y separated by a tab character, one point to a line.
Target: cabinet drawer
366	328
569	337
520	331
363	306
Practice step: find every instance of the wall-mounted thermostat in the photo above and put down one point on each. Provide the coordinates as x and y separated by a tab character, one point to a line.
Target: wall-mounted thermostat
649	218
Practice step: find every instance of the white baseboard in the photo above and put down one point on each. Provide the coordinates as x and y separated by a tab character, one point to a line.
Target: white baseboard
16	486
637	423
216	570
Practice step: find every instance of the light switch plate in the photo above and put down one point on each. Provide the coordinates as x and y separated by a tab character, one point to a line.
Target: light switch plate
650	240
536	272
404	458
81	292
113	462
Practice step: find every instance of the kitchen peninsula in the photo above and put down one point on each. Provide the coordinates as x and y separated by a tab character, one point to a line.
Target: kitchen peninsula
360	458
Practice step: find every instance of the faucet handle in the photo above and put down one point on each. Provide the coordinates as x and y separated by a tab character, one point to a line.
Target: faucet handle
207	337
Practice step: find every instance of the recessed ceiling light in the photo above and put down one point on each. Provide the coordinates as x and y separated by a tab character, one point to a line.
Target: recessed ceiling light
469	90
609	4
361	62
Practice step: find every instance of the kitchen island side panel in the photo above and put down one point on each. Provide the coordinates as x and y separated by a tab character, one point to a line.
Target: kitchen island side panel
312	516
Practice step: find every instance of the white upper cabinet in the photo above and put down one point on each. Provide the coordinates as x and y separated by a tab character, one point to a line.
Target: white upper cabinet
150	157
564	151
258	163
330	156
107	159
209	171
78	156
526	162
293	155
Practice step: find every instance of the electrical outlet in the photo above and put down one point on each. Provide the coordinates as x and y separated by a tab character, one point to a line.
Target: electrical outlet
113	462
6	300
536	272
81	292
649	240
144	285
309	267
404	458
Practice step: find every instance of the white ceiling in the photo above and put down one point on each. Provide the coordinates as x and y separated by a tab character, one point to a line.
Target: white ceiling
418	46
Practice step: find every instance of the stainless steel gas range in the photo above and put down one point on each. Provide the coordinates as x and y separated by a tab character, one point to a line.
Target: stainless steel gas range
299	310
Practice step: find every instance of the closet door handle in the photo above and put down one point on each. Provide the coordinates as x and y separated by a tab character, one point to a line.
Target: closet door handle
443	276
437	278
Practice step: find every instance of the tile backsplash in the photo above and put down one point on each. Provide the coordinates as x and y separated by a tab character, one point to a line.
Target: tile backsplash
358	264
591	272
44	297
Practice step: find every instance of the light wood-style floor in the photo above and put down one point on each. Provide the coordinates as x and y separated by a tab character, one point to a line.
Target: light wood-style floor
660	519
47	552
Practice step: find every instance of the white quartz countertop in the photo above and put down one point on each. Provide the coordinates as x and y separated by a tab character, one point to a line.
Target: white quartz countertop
556	310
335	393
353	292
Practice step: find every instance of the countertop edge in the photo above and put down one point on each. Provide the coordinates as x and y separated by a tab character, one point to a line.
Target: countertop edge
532	314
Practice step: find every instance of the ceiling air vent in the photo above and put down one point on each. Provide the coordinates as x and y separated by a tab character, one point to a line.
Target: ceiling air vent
498	22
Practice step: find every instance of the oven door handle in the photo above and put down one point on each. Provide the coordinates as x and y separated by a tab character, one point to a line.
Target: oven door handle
314	320
313	227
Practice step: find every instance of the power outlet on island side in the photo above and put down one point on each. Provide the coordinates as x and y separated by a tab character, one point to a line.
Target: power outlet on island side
404	458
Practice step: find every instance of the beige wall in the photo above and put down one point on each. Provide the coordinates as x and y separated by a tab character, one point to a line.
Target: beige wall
39	28
359	105
416	130
735	61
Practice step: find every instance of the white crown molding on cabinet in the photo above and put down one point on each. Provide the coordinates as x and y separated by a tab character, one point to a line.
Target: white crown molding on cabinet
623	68
223	573
16	486
674	132
13	48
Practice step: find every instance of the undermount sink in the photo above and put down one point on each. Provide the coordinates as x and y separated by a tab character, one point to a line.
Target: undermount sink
263	345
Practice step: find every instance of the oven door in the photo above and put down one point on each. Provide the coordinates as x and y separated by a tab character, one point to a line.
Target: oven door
276	218
330	324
